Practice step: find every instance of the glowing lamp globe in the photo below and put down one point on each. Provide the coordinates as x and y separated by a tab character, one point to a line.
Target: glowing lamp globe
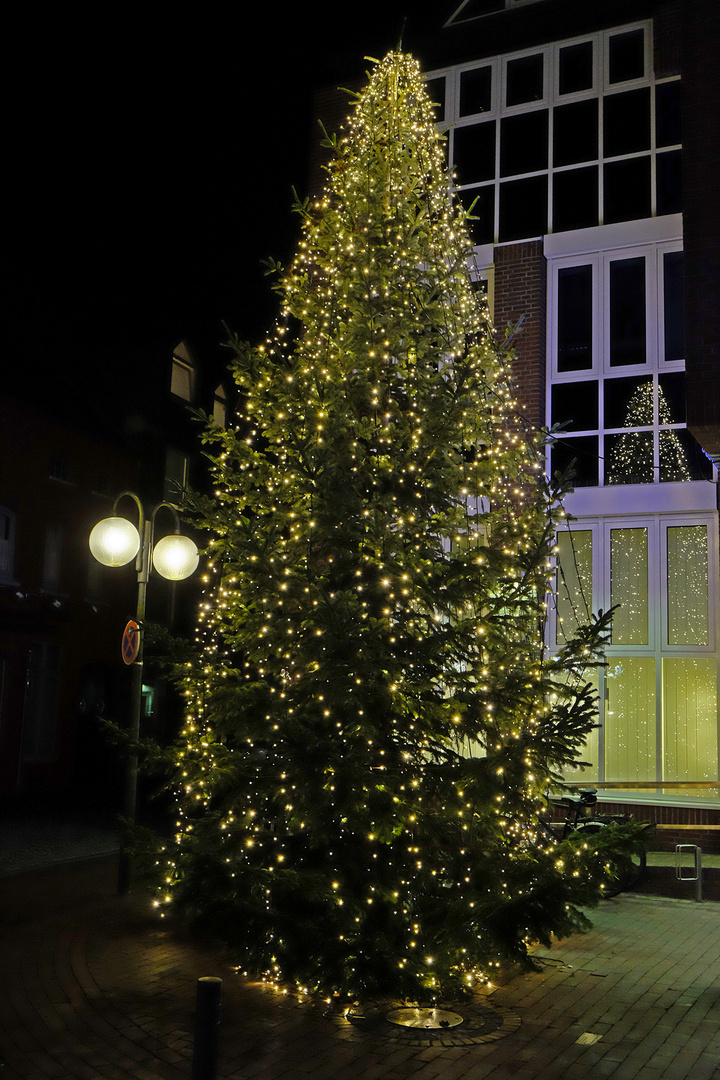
114	541
175	557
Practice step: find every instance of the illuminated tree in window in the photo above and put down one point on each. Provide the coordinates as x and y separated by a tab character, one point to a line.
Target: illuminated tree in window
631	454
380	550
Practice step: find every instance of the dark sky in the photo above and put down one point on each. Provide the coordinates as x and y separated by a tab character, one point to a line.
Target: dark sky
151	167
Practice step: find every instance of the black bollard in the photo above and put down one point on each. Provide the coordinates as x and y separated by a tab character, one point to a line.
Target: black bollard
207	1029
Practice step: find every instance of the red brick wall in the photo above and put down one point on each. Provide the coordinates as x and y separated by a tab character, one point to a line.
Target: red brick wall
520	292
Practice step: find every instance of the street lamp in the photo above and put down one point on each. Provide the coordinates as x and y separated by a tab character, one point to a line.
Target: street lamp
115	541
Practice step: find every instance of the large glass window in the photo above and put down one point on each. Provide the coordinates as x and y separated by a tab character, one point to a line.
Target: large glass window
617	384
657	692
586	113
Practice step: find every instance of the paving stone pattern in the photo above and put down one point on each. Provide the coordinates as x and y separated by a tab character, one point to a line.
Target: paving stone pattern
95	987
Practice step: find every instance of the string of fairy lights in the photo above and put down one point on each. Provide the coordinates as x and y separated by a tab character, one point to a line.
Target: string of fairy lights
380	555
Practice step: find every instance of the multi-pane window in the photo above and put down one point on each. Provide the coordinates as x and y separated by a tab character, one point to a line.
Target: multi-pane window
617	381
658	690
564	137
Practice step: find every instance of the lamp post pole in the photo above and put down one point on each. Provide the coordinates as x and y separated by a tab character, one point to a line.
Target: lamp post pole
131	775
115	542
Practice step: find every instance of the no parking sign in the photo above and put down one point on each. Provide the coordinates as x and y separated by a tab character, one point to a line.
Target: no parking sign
131	642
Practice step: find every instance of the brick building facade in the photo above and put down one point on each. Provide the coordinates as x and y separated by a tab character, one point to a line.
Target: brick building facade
586	137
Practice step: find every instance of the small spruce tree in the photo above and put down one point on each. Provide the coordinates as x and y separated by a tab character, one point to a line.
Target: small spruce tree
372	719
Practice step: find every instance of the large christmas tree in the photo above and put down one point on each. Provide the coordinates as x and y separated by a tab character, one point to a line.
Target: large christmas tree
372	720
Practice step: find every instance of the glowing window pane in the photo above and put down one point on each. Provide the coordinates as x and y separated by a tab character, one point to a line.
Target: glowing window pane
629	586
629	458
682	458
630	741
674	461
689	718
574	582
687	569
590	753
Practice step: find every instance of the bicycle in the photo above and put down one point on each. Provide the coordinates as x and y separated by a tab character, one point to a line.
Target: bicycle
582	817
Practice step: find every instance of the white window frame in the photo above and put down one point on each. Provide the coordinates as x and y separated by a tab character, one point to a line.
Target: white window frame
650	240
658	647
654	311
595	89
602	87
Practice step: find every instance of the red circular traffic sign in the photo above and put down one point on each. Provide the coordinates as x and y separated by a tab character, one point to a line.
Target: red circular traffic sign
131	642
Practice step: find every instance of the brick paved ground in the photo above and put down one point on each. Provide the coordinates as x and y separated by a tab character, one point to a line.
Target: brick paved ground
92	987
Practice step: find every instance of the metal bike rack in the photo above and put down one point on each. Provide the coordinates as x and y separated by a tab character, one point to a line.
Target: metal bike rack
679	868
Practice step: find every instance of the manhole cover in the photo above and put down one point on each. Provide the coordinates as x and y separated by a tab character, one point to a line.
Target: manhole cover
427	1026
425	1018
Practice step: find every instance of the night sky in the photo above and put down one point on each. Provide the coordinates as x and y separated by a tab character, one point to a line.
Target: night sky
151	168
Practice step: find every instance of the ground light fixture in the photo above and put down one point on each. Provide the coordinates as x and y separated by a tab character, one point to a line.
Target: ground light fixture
116	541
